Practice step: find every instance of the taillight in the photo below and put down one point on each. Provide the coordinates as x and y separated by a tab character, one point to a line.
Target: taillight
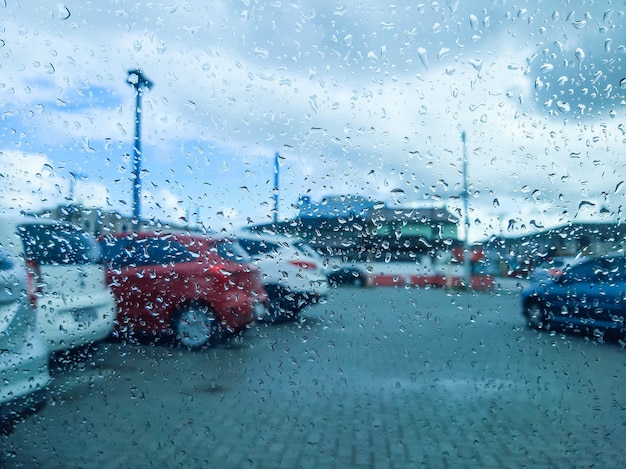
33	275
304	265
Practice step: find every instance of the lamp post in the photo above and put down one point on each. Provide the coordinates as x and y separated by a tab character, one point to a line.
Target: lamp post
140	84
276	187
466	223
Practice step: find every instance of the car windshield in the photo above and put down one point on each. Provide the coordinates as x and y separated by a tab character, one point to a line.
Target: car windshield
348	233
232	251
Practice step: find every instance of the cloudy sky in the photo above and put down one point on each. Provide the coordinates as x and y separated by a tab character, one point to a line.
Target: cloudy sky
357	96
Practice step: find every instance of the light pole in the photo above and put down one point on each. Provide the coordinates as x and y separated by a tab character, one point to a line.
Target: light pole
466	223
140	83
276	187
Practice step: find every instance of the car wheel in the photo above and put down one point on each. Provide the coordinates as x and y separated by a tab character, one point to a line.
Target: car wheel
282	306
537	316
357	282
195	327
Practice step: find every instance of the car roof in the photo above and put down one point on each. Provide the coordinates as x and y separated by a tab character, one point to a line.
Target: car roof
179	235
586	259
17	220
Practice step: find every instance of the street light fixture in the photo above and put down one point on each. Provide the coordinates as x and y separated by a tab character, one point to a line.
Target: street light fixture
140	84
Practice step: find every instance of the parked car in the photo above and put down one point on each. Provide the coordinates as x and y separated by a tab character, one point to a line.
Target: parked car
195	288
24	357
75	308
589	296
292	278
338	272
551	267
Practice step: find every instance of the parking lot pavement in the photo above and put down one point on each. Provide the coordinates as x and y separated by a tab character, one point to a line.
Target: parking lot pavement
370	378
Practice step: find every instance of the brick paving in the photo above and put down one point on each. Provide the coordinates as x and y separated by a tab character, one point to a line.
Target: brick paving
373	378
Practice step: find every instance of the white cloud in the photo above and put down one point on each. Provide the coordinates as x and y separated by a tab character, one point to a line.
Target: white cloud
340	92
29	181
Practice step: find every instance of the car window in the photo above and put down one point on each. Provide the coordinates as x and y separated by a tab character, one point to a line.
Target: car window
58	244
256	247
232	251
6	263
145	252
596	270
583	272
616	270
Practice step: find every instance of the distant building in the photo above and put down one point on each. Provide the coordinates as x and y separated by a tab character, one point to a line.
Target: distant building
98	221
357	227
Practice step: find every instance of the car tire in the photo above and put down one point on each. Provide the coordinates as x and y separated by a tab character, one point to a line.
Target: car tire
282	305
358	282
536	315
195	327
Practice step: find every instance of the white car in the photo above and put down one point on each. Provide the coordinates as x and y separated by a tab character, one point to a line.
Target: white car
24	357
74	305
292	279
340	272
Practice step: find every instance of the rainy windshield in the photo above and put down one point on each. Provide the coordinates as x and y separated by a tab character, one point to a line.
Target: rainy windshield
336	234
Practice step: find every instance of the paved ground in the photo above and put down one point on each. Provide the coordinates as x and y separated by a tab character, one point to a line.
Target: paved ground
373	378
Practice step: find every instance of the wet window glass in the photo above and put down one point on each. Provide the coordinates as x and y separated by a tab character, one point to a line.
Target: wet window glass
279	234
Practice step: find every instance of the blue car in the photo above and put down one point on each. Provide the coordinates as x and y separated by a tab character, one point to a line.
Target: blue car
590	297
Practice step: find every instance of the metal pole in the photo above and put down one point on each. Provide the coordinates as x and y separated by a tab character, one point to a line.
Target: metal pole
466	223
137	160
276	187
139	82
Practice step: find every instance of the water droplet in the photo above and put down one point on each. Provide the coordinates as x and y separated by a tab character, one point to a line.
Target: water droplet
580	55
423	55
563	106
64	12
474	22
477	64
622	84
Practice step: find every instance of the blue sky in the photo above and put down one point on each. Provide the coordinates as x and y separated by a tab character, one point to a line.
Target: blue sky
357	97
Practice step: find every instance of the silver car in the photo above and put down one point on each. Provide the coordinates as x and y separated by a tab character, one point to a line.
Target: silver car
24	376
